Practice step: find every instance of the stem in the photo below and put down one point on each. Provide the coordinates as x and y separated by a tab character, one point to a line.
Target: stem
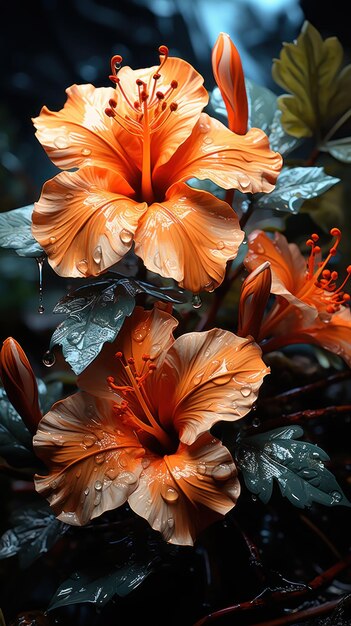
297	391
293	418
299	616
336	126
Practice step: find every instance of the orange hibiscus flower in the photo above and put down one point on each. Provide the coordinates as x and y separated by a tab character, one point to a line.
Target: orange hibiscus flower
309	307
135	146
139	428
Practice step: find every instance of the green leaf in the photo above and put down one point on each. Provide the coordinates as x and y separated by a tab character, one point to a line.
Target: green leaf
280	141
294	186
340	149
96	313
36	531
262	106
319	93
15	232
99	589
297	466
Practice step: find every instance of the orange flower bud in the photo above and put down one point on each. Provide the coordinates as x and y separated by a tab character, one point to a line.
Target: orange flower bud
20	383
254	295
229	76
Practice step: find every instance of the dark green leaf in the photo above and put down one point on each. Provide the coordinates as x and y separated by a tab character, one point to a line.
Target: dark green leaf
279	139
15	438
340	149
98	590
36	531
294	186
262	106
95	314
297	466
15	232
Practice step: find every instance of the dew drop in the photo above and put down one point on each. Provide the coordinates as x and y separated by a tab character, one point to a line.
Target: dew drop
82	266
99	458
98	485
182	198
40	263
89	441
86	491
157	260
222	380
49	359
41	309
245	391
203	127
140	333
126	236
198	378
97	498
61	142
52	239
169	494
69	196
112	473
196	301
86	152
220	245
201	469
170	522
208	140
335	496
129	478
210	287
53	484
145	463
253	498
222	471
97	254
256	422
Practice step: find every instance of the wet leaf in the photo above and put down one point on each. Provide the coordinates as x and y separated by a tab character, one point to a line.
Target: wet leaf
319	93
297	466
340	149
262	106
279	139
294	186
36	530
95	314
99	590
16	234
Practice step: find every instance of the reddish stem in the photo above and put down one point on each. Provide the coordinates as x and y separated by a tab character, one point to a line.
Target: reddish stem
297	391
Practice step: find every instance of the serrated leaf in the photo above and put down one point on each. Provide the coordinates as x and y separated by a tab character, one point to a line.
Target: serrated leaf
36	531
99	590
294	186
96	313
340	149
318	91
15	232
297	466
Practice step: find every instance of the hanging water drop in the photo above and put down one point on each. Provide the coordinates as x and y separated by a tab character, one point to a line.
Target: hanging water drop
97	254
49	358
256	422
222	472
196	301
126	236
40	263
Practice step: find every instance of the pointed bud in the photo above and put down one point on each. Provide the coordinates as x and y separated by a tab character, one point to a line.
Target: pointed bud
229	76
254	296
20	383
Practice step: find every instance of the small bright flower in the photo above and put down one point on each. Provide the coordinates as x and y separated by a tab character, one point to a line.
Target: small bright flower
311	305
139	429
135	147
229	76
20	383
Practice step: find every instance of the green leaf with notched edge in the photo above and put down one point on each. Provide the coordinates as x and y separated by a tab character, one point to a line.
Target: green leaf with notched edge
36	530
100	589
95	314
297	466
319	92
16	234
293	187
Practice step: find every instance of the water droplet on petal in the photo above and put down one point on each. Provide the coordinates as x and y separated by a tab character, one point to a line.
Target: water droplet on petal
140	333
201	469
69	196
145	462
82	266
89	440
222	380
198	378
157	260
169	494
49	358
112	472
97	254
203	127
222	471
99	458
52	239
220	245
210	287
98	485
208	140
86	152
129	478
86	491
196	301
61	142
245	391
126	236
170	522
53	484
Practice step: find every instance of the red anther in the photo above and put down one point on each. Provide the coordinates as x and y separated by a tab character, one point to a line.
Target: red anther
348	269
309	242
114	79
326	274
152	367
109	112
174	84
334	275
164	106
315	237
335	232
316	250
163	50
119	355
137	105
117	59
332	251
110	380
173	106
131	361
330	309
139	82
346	297
146	357
144	96
156	76
112	103
160	95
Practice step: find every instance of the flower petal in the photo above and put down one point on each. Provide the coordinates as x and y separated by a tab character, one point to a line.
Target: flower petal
145	332
208	377
171	129
243	162
189	237
85	222
334	335
94	464
81	134
183	493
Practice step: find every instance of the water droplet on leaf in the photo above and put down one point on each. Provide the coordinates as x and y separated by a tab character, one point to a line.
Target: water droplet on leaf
49	359
196	301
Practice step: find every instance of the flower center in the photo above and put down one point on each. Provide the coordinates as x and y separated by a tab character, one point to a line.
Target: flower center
144	114
318	275
124	411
